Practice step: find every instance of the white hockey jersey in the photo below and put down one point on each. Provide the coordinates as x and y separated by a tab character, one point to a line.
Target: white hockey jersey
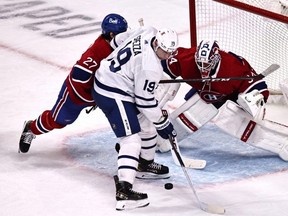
132	72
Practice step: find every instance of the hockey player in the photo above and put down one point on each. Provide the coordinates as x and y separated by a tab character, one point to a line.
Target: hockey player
207	60
237	107
75	94
124	90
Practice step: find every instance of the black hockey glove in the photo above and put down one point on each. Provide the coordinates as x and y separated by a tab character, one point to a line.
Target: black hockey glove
164	127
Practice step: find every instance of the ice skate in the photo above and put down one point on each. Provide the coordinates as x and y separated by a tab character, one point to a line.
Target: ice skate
128	198
26	138
151	170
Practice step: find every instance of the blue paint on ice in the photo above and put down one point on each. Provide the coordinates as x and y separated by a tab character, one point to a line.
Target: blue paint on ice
228	159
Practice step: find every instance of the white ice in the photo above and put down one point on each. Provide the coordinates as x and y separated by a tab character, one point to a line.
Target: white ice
62	175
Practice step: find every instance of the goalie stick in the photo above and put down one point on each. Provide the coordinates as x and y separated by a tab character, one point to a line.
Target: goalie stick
265	73
203	206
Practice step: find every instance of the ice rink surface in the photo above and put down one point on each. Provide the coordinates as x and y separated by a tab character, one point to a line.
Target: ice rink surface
69	172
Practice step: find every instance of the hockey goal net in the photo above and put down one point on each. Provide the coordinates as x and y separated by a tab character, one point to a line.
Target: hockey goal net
254	29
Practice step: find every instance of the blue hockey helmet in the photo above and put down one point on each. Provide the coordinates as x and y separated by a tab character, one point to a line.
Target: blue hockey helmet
114	23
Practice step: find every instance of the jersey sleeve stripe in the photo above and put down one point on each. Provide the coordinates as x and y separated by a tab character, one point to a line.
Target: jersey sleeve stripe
146	106
145	99
110	89
83	68
259	85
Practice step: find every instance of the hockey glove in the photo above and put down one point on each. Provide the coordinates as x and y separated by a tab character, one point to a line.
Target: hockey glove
164	127
252	102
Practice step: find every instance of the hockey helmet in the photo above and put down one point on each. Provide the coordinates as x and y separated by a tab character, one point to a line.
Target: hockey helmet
207	57
167	40
114	23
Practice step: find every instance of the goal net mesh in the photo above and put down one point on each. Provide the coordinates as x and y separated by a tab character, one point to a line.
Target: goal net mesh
261	40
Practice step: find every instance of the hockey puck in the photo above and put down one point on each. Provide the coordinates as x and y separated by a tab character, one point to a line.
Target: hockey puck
168	186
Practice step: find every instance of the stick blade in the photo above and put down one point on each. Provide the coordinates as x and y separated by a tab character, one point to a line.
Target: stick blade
194	163
213	209
270	69
189	162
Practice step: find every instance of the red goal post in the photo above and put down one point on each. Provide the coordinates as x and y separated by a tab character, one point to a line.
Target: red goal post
254	29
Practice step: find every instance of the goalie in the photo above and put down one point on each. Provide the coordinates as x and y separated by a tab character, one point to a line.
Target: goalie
237	106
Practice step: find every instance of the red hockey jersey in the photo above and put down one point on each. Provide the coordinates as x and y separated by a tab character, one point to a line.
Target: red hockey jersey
81	78
231	65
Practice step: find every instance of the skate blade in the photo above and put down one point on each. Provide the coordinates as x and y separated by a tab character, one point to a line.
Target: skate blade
149	175
131	204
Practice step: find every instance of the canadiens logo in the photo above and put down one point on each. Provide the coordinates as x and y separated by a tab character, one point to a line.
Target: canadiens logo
211	96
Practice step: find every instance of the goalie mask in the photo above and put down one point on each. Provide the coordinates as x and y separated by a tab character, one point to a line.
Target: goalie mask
207	57
167	40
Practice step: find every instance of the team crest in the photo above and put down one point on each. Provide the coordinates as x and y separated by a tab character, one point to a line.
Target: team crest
212	96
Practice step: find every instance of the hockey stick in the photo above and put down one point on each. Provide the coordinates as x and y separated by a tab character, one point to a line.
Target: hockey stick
141	21
188	162
265	73
203	206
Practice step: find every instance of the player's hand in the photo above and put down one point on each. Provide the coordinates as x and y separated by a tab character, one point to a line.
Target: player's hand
164	127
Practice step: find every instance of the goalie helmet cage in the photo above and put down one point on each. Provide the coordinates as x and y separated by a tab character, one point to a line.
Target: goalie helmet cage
254	29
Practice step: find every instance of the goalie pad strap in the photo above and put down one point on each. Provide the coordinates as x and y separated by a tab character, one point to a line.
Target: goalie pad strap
193	114
248	130
187	123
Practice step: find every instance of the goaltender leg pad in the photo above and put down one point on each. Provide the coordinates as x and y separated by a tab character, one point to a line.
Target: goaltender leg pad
186	119
194	113
276	118
236	122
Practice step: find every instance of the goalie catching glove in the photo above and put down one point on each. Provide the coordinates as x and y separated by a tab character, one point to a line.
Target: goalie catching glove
164	127
251	102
